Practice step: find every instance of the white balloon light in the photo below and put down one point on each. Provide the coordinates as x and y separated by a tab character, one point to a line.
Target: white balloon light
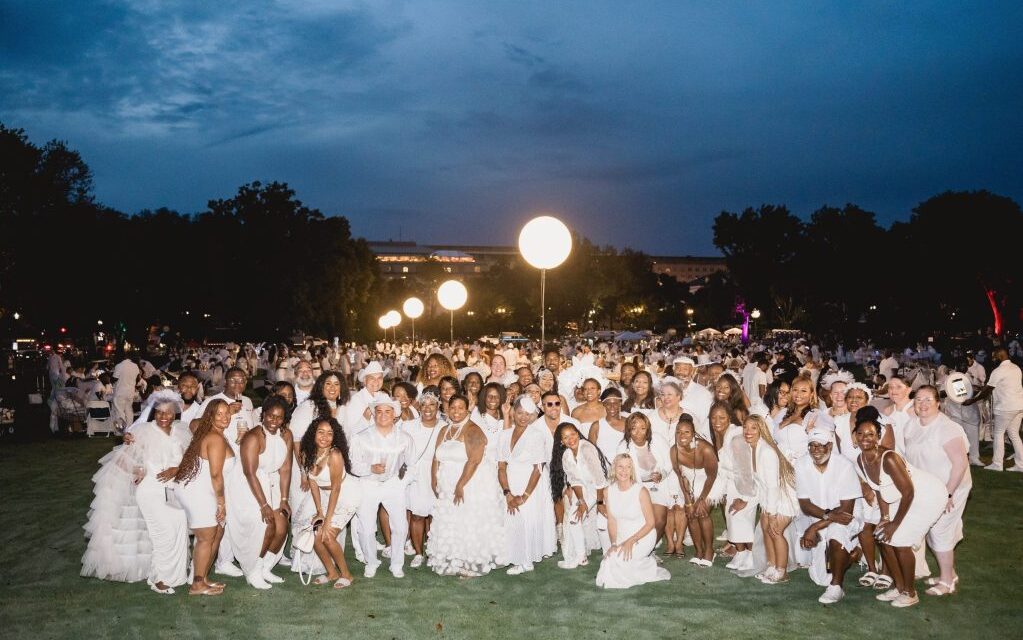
413	308
384	322
452	295
393	317
545	242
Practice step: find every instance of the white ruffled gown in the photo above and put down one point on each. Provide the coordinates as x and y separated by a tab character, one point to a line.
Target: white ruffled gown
469	538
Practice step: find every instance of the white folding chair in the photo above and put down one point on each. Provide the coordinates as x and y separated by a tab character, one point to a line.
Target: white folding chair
98	420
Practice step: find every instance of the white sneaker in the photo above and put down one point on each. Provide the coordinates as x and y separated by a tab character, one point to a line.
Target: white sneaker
1016	468
409	549
516	570
831	595
229	569
905	600
417	561
268	574
386	552
381	546
705	563
889	596
397	573
694	560
994	467
255	577
567	564
371	570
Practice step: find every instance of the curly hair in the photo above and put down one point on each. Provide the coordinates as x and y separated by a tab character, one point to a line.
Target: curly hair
323	409
274	401
188	468
308	447
443	364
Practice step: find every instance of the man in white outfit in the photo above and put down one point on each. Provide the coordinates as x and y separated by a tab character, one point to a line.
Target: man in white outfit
357	416
696	399
827	488
1005	387
127	374
379	456
304	381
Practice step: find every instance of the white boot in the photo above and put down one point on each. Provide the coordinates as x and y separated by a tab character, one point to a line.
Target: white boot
255	577
267	573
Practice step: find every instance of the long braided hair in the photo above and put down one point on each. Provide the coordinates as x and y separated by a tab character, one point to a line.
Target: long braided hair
557	467
190	461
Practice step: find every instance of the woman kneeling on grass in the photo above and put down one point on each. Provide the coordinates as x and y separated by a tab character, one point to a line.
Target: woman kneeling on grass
336	495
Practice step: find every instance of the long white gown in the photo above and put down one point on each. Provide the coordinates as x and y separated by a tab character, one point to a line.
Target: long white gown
119	548
419	493
585	471
245	522
468	538
615	572
530	532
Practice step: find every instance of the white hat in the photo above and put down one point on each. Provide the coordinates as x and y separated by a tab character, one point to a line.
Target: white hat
386	401
820	436
372	369
684	360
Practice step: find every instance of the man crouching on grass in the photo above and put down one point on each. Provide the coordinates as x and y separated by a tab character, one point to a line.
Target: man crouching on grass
827	487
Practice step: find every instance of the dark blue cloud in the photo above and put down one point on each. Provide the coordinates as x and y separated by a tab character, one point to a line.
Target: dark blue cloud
457	121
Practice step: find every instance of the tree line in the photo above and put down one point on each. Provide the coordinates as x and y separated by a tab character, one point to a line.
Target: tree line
261	264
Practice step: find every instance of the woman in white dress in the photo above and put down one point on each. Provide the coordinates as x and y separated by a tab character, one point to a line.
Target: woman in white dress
579	476
900	413
200	477
775	489
696	470
336	495
630	517
472	385
489	415
420	497
435	367
939	446
608	432
776	399
529	525
258	494
791	432
652	463
467	534
735	470
916	497
640	393
156	452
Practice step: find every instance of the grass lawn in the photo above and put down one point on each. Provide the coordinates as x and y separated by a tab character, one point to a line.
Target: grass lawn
46	492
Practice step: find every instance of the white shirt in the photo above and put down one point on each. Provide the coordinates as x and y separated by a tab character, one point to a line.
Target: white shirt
371	447
827	490
127	374
1007	380
244	415
753	377
978	376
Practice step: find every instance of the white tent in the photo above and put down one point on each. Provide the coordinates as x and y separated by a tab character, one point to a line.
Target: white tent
709	332
734	331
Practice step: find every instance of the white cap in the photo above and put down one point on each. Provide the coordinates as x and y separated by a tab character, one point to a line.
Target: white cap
684	360
820	436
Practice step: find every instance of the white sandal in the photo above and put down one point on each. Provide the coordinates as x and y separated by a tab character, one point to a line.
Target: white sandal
341	583
168	591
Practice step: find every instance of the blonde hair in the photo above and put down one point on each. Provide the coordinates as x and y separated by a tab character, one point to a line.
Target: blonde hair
632	467
786	472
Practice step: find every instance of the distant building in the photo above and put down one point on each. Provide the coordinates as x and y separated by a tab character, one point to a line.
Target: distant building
686	269
399	259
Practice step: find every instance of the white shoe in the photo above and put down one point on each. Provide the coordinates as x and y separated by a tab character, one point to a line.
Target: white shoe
371	570
381	546
397	573
229	569
417	561
385	552
734	563
705	563
747	561
694	560
567	564
905	600
994	467
255	577
285	561
723	537
1016	468
518	570
409	549
889	596
268	574
831	595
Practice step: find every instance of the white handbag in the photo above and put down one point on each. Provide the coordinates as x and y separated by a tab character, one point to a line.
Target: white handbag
302	542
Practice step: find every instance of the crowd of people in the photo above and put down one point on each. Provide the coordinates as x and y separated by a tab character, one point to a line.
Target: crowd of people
467	458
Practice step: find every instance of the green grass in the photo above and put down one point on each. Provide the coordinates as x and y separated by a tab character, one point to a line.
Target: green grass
46	492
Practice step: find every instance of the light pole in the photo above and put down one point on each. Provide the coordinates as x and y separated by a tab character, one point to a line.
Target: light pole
545	242
452	296
413	308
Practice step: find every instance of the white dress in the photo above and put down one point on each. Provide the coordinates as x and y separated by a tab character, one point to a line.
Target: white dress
583	470
929	497
165	520
467	538
735	468
647	459
492	428
615	572
245	521
925	450
530	532
119	547
197	495
608	439
419	493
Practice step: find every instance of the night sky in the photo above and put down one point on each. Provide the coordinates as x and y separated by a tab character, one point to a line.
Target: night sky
456	122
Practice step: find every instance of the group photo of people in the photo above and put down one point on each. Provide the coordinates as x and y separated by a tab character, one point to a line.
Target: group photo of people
322	465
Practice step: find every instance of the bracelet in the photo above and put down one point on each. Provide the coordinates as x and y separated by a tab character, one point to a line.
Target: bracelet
265	504
507	491
284	499
600	502
525	495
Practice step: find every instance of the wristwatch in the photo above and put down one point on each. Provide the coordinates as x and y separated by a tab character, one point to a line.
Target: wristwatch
600	502
507	491
827	514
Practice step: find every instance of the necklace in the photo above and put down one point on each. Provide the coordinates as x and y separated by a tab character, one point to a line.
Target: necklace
454	434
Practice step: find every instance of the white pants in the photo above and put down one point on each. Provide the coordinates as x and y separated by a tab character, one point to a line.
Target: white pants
1007	422
123	413
391	495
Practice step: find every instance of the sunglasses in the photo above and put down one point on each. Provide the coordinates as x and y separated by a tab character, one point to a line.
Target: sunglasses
556	403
